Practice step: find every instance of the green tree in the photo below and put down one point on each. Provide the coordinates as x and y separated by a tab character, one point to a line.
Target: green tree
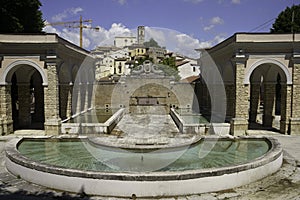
288	21
151	43
170	61
20	16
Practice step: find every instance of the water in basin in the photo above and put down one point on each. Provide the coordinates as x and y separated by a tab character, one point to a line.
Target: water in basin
81	154
194	119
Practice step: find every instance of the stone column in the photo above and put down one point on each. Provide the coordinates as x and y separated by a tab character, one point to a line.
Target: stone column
295	118
239	124
39	104
90	90
230	95
286	99
81	97
24	105
205	101
70	98
63	98
269	99
76	99
254	101
52	119
86	97
6	110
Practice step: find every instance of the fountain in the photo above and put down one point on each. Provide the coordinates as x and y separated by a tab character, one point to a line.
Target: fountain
79	164
152	160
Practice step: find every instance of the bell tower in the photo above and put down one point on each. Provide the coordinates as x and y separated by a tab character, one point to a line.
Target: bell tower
141	34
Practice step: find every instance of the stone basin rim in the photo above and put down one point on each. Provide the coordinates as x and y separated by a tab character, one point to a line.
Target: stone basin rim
15	156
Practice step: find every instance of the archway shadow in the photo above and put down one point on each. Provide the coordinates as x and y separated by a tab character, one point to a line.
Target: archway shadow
259	126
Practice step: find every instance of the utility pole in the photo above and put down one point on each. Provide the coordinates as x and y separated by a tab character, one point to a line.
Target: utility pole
80	31
293	19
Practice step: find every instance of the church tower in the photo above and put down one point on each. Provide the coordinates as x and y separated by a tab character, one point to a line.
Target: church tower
141	35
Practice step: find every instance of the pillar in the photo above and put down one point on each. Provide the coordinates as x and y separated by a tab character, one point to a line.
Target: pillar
86	97
69	103
6	110
51	93
239	124
81	97
230	95
286	96
295	115
269	99
63	98
24	105
254	101
76	98
39	104
90	90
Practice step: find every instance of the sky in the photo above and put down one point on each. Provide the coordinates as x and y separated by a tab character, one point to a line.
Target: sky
179	25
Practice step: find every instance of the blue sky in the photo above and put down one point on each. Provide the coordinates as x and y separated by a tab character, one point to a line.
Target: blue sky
200	22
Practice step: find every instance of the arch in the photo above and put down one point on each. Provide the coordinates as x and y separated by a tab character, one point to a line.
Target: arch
7	74
268	61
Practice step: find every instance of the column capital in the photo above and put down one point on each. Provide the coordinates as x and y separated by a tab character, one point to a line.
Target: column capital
239	58
295	58
52	60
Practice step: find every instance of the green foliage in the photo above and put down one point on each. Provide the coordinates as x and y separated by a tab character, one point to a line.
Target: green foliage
283	23
20	16
169	71
170	62
141	60
169	67
151	43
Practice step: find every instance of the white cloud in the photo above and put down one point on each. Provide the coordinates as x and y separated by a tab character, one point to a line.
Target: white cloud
207	28
158	34
121	2
216	20
236	1
171	39
66	13
230	1
213	22
194	1
179	42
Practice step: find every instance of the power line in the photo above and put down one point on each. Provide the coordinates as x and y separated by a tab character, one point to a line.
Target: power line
262	26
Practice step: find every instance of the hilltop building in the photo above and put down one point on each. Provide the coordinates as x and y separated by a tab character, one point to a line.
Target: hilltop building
124	41
187	67
156	54
141	35
129	51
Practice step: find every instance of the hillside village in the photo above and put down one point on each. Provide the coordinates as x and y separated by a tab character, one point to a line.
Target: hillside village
130	51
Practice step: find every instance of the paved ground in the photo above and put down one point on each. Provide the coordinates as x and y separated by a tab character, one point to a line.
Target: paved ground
285	184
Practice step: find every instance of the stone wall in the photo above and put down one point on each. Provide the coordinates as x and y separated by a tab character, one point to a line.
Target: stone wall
131	92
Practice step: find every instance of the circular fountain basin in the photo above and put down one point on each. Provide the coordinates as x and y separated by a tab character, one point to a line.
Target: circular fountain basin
77	165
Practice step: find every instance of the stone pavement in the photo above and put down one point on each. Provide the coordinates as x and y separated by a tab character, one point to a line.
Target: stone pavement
285	184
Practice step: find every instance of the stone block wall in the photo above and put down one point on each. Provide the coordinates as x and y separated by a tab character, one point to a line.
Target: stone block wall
130	91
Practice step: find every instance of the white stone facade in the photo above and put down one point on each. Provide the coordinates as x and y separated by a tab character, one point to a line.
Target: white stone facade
124	41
